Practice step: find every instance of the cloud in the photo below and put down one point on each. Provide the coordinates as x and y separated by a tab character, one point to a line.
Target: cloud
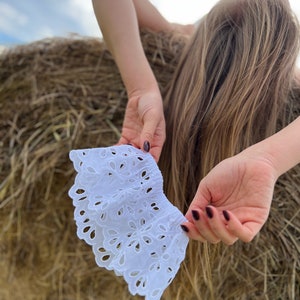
83	13
10	20
26	21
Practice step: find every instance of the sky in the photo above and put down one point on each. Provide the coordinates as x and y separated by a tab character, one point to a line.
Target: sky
29	20
24	21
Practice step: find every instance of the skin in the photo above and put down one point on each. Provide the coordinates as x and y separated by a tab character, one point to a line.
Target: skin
242	186
144	123
233	201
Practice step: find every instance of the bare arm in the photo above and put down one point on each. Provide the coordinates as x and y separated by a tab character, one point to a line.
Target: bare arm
119	25
149	17
281	149
233	201
144	123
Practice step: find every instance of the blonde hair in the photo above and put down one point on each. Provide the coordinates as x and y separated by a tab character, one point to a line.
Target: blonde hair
229	89
228	92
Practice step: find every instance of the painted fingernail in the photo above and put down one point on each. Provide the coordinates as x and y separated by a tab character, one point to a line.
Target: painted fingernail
226	215
146	146
184	228
209	212
195	215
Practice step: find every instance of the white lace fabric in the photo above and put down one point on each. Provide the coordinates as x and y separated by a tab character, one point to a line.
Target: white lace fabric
122	212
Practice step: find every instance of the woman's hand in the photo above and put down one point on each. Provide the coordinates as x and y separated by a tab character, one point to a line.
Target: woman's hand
233	201
144	123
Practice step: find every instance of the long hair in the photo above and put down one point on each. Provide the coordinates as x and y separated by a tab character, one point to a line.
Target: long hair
229	90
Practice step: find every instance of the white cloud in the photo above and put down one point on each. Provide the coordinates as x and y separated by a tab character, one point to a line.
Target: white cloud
11	18
83	13
183	11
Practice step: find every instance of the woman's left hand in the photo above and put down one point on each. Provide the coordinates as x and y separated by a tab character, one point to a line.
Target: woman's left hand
232	202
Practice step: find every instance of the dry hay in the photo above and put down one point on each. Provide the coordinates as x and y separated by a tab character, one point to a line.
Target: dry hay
61	94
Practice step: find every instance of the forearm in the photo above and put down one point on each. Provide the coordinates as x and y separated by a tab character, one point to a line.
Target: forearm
149	17
282	149
119	25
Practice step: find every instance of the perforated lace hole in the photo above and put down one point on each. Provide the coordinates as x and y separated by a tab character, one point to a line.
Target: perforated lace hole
154	206
140	282
80	191
120	212
147	240
122	166
105	257
101	250
137	248
86	229
144	173
93	234
140	158
82	212
148	190
142	222
86	220
103	216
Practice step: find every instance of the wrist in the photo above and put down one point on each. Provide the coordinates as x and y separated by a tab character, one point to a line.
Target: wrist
262	153
280	150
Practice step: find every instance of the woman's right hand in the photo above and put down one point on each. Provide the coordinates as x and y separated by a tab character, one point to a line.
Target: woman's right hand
144	122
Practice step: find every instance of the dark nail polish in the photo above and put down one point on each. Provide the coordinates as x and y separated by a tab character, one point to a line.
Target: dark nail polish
226	215
184	228
146	146
195	215
209	212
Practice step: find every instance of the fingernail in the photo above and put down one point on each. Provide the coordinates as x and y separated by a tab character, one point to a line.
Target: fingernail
146	146
184	228
195	215
226	215
209	212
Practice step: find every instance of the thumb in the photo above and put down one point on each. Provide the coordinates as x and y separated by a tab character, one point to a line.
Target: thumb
148	131
153	135
201	199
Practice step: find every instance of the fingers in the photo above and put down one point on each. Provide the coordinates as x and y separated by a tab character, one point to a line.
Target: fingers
214	226
245	232
152	136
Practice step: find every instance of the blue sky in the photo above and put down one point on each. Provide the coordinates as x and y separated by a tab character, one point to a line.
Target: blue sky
23	21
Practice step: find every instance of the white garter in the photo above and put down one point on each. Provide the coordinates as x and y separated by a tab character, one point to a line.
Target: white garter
122	212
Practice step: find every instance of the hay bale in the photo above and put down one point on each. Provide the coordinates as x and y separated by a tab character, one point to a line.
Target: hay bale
61	94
